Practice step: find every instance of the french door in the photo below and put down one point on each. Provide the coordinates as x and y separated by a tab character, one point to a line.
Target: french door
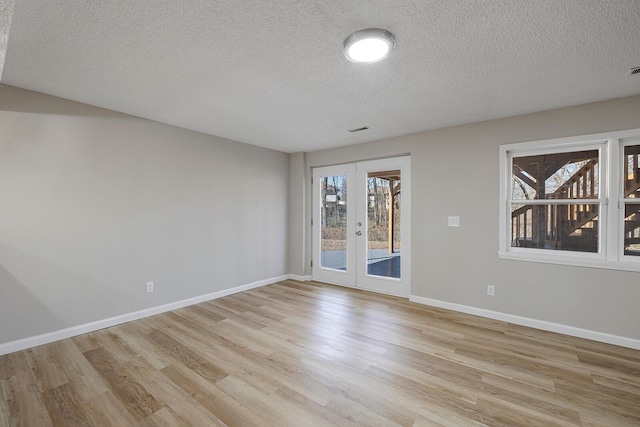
361	225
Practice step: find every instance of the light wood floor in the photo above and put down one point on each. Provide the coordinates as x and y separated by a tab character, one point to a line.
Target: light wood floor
296	354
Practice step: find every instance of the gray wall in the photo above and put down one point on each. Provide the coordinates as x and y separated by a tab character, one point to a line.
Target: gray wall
94	203
455	172
297	201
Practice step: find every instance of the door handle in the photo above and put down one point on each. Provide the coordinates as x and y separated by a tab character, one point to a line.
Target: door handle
358	233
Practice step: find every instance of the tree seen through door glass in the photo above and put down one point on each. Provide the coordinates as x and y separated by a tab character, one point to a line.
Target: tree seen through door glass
383	223
333	222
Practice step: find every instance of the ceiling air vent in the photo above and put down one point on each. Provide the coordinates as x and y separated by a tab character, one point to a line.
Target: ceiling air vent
358	129
635	70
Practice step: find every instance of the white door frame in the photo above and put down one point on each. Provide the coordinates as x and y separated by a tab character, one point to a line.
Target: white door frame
356	263
386	285
329	275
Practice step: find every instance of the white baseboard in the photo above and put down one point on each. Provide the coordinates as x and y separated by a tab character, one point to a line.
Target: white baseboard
532	323
300	278
22	344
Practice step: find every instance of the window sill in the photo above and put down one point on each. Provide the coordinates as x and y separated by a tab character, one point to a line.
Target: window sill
572	260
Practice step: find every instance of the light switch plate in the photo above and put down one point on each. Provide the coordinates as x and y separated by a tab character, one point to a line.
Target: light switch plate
454	221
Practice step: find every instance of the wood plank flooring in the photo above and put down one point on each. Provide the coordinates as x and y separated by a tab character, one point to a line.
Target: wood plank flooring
310	354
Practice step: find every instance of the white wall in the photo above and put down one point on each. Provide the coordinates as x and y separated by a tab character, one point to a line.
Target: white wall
94	203
455	172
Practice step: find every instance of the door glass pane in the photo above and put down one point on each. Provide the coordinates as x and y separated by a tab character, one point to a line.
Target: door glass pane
383	223
333	222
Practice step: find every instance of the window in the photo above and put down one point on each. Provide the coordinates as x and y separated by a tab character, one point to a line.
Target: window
631	199
572	201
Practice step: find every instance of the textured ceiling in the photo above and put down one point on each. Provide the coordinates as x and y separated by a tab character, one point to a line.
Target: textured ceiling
272	73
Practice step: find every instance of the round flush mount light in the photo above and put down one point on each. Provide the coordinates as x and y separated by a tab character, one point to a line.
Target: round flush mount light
368	46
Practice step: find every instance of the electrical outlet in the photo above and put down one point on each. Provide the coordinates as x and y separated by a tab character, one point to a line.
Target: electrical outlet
149	287
491	290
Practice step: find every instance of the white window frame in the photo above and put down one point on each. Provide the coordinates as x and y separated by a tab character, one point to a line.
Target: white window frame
610	253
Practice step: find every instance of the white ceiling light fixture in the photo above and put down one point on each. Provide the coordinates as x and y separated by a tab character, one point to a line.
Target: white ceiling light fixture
368	46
